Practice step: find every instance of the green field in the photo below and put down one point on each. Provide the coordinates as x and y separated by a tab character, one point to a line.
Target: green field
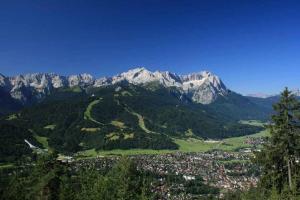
50	126
88	114
12	117
42	140
238	141
140	119
194	145
6	165
93	152
185	145
229	144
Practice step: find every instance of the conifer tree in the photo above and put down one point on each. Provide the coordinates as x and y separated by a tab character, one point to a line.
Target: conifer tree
280	154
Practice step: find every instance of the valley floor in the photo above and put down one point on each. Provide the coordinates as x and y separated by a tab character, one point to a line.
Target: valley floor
191	145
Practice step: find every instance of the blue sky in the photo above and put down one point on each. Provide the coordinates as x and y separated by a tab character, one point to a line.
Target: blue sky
254	46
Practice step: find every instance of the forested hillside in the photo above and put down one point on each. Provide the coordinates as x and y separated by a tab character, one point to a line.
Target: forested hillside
122	116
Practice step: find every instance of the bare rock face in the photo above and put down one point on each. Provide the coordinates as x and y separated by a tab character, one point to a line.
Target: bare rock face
203	87
102	82
141	76
82	80
32	87
58	81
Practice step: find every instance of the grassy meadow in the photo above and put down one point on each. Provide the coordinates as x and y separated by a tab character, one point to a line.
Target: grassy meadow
187	145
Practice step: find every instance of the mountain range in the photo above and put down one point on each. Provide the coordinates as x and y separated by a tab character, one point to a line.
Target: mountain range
203	87
135	109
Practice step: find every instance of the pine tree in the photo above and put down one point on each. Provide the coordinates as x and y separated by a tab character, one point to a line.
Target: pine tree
279	155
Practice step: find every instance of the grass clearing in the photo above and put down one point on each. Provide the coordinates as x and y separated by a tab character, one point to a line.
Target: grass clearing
94	153
141	122
229	144
140	119
194	145
90	129
50	126
118	124
113	136
126	93
12	117
6	165
237	141
128	136
42	140
88	111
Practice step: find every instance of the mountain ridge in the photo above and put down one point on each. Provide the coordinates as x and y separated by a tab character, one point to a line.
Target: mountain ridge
125	116
135	109
202	87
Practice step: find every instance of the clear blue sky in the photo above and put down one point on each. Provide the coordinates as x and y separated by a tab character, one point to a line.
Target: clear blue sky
254	46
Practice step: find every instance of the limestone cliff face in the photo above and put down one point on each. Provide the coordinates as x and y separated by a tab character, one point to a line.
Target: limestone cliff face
203	87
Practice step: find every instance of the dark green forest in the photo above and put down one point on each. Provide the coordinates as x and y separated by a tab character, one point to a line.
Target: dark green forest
123	116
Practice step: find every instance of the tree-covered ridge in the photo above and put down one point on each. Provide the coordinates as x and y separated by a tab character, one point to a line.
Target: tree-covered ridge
123	116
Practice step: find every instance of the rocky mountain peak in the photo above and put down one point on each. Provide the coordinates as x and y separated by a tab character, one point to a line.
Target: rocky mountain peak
203	87
80	80
136	76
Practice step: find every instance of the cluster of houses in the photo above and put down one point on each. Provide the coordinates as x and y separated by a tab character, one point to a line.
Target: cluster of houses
255	141
223	170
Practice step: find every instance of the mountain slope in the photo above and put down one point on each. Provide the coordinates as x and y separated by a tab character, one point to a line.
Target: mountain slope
135	109
239	107
203	87
123	116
